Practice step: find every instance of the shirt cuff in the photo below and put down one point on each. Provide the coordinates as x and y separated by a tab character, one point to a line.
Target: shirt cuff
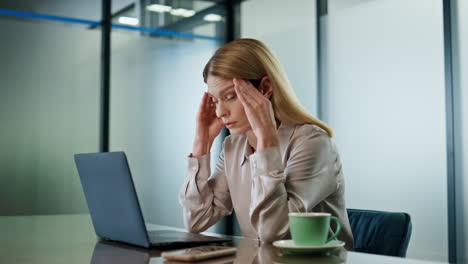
267	160
197	163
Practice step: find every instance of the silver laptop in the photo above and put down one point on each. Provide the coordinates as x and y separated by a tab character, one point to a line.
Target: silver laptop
113	204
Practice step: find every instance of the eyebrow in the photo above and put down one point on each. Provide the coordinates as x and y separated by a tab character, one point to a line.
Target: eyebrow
225	90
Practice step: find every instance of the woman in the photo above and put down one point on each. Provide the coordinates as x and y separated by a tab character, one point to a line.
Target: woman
278	158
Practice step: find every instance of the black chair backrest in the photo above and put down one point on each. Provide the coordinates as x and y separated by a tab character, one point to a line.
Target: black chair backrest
378	232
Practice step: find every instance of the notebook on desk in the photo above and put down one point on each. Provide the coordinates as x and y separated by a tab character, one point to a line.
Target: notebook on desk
113	204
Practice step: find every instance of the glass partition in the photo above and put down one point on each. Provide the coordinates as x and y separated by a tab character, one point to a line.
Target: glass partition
384	94
175	19
83	9
461	110
157	84
49	107
289	29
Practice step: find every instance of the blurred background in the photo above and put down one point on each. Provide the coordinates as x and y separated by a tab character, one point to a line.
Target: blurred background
390	76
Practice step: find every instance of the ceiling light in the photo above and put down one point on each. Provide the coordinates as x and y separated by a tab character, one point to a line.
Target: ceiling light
178	11
182	12
213	18
159	8
188	13
128	20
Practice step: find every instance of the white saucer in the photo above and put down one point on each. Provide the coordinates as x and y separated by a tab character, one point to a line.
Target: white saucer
288	246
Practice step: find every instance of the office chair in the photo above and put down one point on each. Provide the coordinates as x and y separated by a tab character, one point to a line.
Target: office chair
378	232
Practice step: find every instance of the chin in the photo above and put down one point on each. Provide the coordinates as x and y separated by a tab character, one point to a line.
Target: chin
236	131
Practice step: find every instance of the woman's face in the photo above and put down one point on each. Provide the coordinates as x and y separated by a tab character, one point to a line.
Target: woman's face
228	107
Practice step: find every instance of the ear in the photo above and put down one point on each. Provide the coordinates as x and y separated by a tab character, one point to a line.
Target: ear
266	87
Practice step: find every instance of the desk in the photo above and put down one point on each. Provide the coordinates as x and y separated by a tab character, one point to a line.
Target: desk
71	239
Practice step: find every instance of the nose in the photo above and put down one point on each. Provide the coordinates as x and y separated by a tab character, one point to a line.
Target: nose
221	110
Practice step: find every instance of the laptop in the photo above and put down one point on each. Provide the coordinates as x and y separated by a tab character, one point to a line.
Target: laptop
113	204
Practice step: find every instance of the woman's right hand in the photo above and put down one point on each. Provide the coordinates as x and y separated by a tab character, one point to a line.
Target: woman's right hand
208	127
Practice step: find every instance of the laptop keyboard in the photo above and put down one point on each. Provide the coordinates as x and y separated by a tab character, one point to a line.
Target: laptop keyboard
166	237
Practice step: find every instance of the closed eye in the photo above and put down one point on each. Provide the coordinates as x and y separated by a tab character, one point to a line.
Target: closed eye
229	97
226	98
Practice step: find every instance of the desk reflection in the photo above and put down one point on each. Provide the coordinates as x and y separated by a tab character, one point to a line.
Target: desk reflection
105	252
248	252
251	251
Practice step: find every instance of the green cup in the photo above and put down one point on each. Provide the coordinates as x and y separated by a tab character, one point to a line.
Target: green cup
311	229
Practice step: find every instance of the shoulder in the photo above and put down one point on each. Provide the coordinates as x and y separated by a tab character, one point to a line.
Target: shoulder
310	131
311	137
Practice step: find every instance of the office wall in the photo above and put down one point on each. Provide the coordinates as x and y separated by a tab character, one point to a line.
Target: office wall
157	85
83	9
461	110
384	94
289	29
158	75
49	105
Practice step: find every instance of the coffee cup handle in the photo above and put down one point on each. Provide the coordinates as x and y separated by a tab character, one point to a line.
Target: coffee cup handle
338	228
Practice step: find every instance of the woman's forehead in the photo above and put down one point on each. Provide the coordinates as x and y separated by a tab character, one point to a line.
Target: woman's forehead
217	85
217	81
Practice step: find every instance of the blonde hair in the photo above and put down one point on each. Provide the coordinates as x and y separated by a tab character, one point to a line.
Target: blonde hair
251	59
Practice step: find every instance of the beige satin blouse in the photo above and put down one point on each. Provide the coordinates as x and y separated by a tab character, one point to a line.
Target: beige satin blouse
303	174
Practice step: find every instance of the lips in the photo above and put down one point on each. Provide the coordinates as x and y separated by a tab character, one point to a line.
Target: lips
230	124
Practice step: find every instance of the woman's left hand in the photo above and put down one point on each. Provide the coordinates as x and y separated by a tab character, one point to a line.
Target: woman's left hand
259	112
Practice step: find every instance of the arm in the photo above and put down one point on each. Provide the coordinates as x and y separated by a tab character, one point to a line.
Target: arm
310	176
205	199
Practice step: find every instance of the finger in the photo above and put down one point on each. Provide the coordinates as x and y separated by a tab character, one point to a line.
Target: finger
250	91
249	106
208	108
240	94
253	99
202	106
211	107
213	112
248	94
207	102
